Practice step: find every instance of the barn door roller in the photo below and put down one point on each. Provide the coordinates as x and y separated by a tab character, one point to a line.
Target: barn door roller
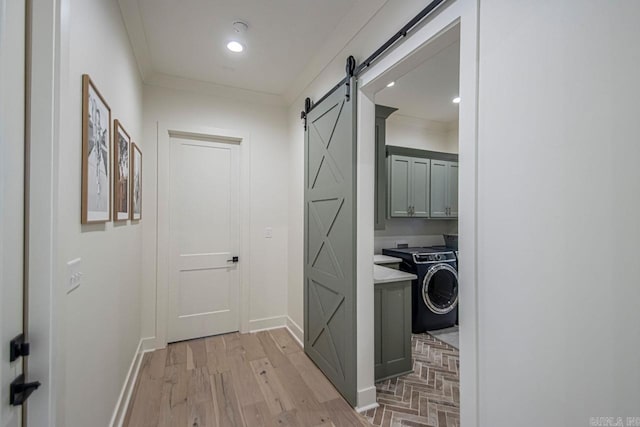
351	68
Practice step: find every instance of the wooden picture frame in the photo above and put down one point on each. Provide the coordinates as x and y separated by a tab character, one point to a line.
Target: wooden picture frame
136	182
96	155
121	172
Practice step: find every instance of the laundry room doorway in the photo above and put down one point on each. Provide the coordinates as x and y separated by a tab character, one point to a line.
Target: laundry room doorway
422	94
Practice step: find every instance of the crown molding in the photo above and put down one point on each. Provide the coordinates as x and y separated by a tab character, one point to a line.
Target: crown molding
132	18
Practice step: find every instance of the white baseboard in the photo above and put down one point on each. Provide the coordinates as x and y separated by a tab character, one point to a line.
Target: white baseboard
117	419
267	323
149	344
366	399
296	331
277	322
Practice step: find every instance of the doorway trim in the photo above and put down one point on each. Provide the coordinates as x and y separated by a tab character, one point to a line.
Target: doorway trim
401	59
165	132
48	29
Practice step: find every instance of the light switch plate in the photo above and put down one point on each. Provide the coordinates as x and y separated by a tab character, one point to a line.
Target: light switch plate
74	274
268	233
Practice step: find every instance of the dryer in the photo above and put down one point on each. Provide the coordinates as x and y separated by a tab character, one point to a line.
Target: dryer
434	298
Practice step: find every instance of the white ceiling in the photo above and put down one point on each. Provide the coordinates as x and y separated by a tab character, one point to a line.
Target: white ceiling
187	38
426	91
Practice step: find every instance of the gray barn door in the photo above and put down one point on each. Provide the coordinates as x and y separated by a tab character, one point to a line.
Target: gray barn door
330	239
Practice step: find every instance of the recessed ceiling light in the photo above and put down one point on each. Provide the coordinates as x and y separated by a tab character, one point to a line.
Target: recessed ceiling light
456	100
391	84
235	46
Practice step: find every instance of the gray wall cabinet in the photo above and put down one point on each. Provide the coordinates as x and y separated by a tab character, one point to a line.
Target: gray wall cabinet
419	187
392	342
408	186
444	189
382	113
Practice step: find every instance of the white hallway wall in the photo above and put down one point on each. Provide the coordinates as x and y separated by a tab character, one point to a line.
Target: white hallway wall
266	125
97	326
558	204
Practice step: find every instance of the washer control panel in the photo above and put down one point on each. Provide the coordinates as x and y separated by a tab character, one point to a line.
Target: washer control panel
433	257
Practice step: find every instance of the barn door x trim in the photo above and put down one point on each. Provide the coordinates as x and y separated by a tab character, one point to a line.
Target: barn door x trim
330	237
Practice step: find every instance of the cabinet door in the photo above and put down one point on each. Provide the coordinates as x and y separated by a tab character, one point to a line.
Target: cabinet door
377	328
380	195
419	187
399	174
438	197
452	189
392	330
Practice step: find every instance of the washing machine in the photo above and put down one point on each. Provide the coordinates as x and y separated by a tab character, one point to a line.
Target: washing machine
434	297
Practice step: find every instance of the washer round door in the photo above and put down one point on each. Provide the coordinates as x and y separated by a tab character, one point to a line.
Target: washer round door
440	288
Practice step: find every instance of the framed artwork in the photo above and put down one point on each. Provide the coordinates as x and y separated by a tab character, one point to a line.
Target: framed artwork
121	173
96	155
136	183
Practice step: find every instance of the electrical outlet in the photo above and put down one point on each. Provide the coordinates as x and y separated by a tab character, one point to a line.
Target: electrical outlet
268	233
74	275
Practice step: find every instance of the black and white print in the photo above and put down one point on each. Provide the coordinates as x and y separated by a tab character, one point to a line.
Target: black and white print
96	203
136	183
121	172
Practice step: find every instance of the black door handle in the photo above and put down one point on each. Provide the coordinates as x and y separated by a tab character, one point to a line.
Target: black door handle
20	391
18	348
234	259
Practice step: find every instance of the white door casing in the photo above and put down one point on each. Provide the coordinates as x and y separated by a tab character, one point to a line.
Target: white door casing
204	284
398	61
12	150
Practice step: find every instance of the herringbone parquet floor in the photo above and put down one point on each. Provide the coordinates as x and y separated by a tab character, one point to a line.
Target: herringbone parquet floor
430	396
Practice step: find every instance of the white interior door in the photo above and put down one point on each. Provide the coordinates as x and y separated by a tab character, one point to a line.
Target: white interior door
204	235
12	95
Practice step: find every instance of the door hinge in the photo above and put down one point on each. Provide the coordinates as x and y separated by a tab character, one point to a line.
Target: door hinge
18	348
20	391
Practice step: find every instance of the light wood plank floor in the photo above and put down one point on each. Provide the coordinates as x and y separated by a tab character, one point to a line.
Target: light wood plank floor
261	379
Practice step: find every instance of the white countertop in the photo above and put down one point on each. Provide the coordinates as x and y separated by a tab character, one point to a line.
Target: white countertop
390	275
386	259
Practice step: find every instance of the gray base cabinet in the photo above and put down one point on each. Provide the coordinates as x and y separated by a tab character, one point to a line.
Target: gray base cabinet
392	329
